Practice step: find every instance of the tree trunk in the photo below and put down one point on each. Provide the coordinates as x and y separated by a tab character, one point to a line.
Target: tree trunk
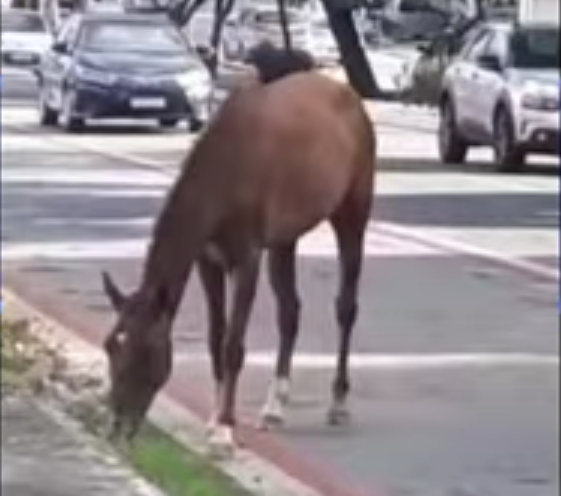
352	54
281	4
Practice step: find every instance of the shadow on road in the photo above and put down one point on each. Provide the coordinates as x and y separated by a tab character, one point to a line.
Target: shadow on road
470	210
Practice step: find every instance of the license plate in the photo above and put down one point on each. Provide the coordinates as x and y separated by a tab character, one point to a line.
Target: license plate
148	103
21	57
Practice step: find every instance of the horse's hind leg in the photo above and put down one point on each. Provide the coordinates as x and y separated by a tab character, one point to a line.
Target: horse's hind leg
282	276
349	225
213	281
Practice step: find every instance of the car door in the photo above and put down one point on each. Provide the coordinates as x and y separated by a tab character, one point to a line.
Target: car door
489	83
465	78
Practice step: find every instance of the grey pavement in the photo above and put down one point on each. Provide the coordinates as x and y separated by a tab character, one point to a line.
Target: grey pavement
44	455
455	365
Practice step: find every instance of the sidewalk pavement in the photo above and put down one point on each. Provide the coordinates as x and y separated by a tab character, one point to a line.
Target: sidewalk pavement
43	454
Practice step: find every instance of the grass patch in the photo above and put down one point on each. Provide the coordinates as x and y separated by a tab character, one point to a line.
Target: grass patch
178	472
155	455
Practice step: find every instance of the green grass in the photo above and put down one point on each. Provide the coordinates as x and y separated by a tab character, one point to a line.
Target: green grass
176	471
154	455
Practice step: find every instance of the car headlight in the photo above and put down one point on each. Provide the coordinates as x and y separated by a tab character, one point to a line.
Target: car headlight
96	76
535	97
195	83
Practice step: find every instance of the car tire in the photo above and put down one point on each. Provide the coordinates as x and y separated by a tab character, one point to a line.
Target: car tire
69	121
168	123
452	146
195	125
508	156
47	116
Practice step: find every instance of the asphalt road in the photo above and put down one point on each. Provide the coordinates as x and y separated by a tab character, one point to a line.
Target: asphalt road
455	364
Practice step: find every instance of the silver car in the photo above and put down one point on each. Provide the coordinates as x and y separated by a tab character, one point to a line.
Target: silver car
503	91
24	37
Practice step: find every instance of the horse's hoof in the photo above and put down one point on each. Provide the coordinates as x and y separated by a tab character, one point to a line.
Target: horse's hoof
270	421
211	426
221	443
338	416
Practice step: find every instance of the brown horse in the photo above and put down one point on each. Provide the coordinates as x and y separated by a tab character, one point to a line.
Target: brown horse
278	159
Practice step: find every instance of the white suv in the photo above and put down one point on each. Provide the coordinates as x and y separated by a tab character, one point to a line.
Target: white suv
503	91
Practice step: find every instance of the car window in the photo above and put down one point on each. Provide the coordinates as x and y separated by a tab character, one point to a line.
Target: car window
132	37
273	17
22	22
498	46
477	47
535	48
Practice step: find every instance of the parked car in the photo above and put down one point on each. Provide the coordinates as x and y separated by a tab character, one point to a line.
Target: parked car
248	27
24	37
117	65
425	86
503	92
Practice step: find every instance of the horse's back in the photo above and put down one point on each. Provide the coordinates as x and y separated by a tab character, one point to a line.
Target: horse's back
316	144
292	150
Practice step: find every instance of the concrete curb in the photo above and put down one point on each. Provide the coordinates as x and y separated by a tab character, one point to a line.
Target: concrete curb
251	471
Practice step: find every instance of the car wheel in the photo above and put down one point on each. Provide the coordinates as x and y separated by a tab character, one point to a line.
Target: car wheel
195	124
451	145
47	116
168	123
508	156
69	121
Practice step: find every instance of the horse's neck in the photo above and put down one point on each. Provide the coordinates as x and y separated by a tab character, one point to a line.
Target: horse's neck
179	236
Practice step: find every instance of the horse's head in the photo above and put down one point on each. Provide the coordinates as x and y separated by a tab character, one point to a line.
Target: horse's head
139	350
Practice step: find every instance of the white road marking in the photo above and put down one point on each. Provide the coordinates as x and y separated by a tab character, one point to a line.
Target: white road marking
470	249
319	243
314	361
489	244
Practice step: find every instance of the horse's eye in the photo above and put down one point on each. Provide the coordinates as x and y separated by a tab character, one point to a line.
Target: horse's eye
115	342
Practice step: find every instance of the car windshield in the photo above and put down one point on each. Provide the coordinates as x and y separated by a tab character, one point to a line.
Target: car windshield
132	37
21	22
536	48
273	17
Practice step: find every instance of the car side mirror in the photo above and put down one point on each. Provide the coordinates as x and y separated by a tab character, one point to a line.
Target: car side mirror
59	47
426	48
490	62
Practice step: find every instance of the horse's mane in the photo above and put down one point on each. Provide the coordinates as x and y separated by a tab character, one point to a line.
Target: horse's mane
274	63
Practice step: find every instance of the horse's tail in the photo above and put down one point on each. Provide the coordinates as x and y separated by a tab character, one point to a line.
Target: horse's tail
274	63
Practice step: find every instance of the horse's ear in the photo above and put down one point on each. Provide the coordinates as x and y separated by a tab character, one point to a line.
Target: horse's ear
116	297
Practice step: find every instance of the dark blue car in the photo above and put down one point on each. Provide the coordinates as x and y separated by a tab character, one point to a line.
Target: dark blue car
122	65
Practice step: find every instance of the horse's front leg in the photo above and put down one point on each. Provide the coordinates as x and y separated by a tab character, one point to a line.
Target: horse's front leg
282	276
212	276
244	277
